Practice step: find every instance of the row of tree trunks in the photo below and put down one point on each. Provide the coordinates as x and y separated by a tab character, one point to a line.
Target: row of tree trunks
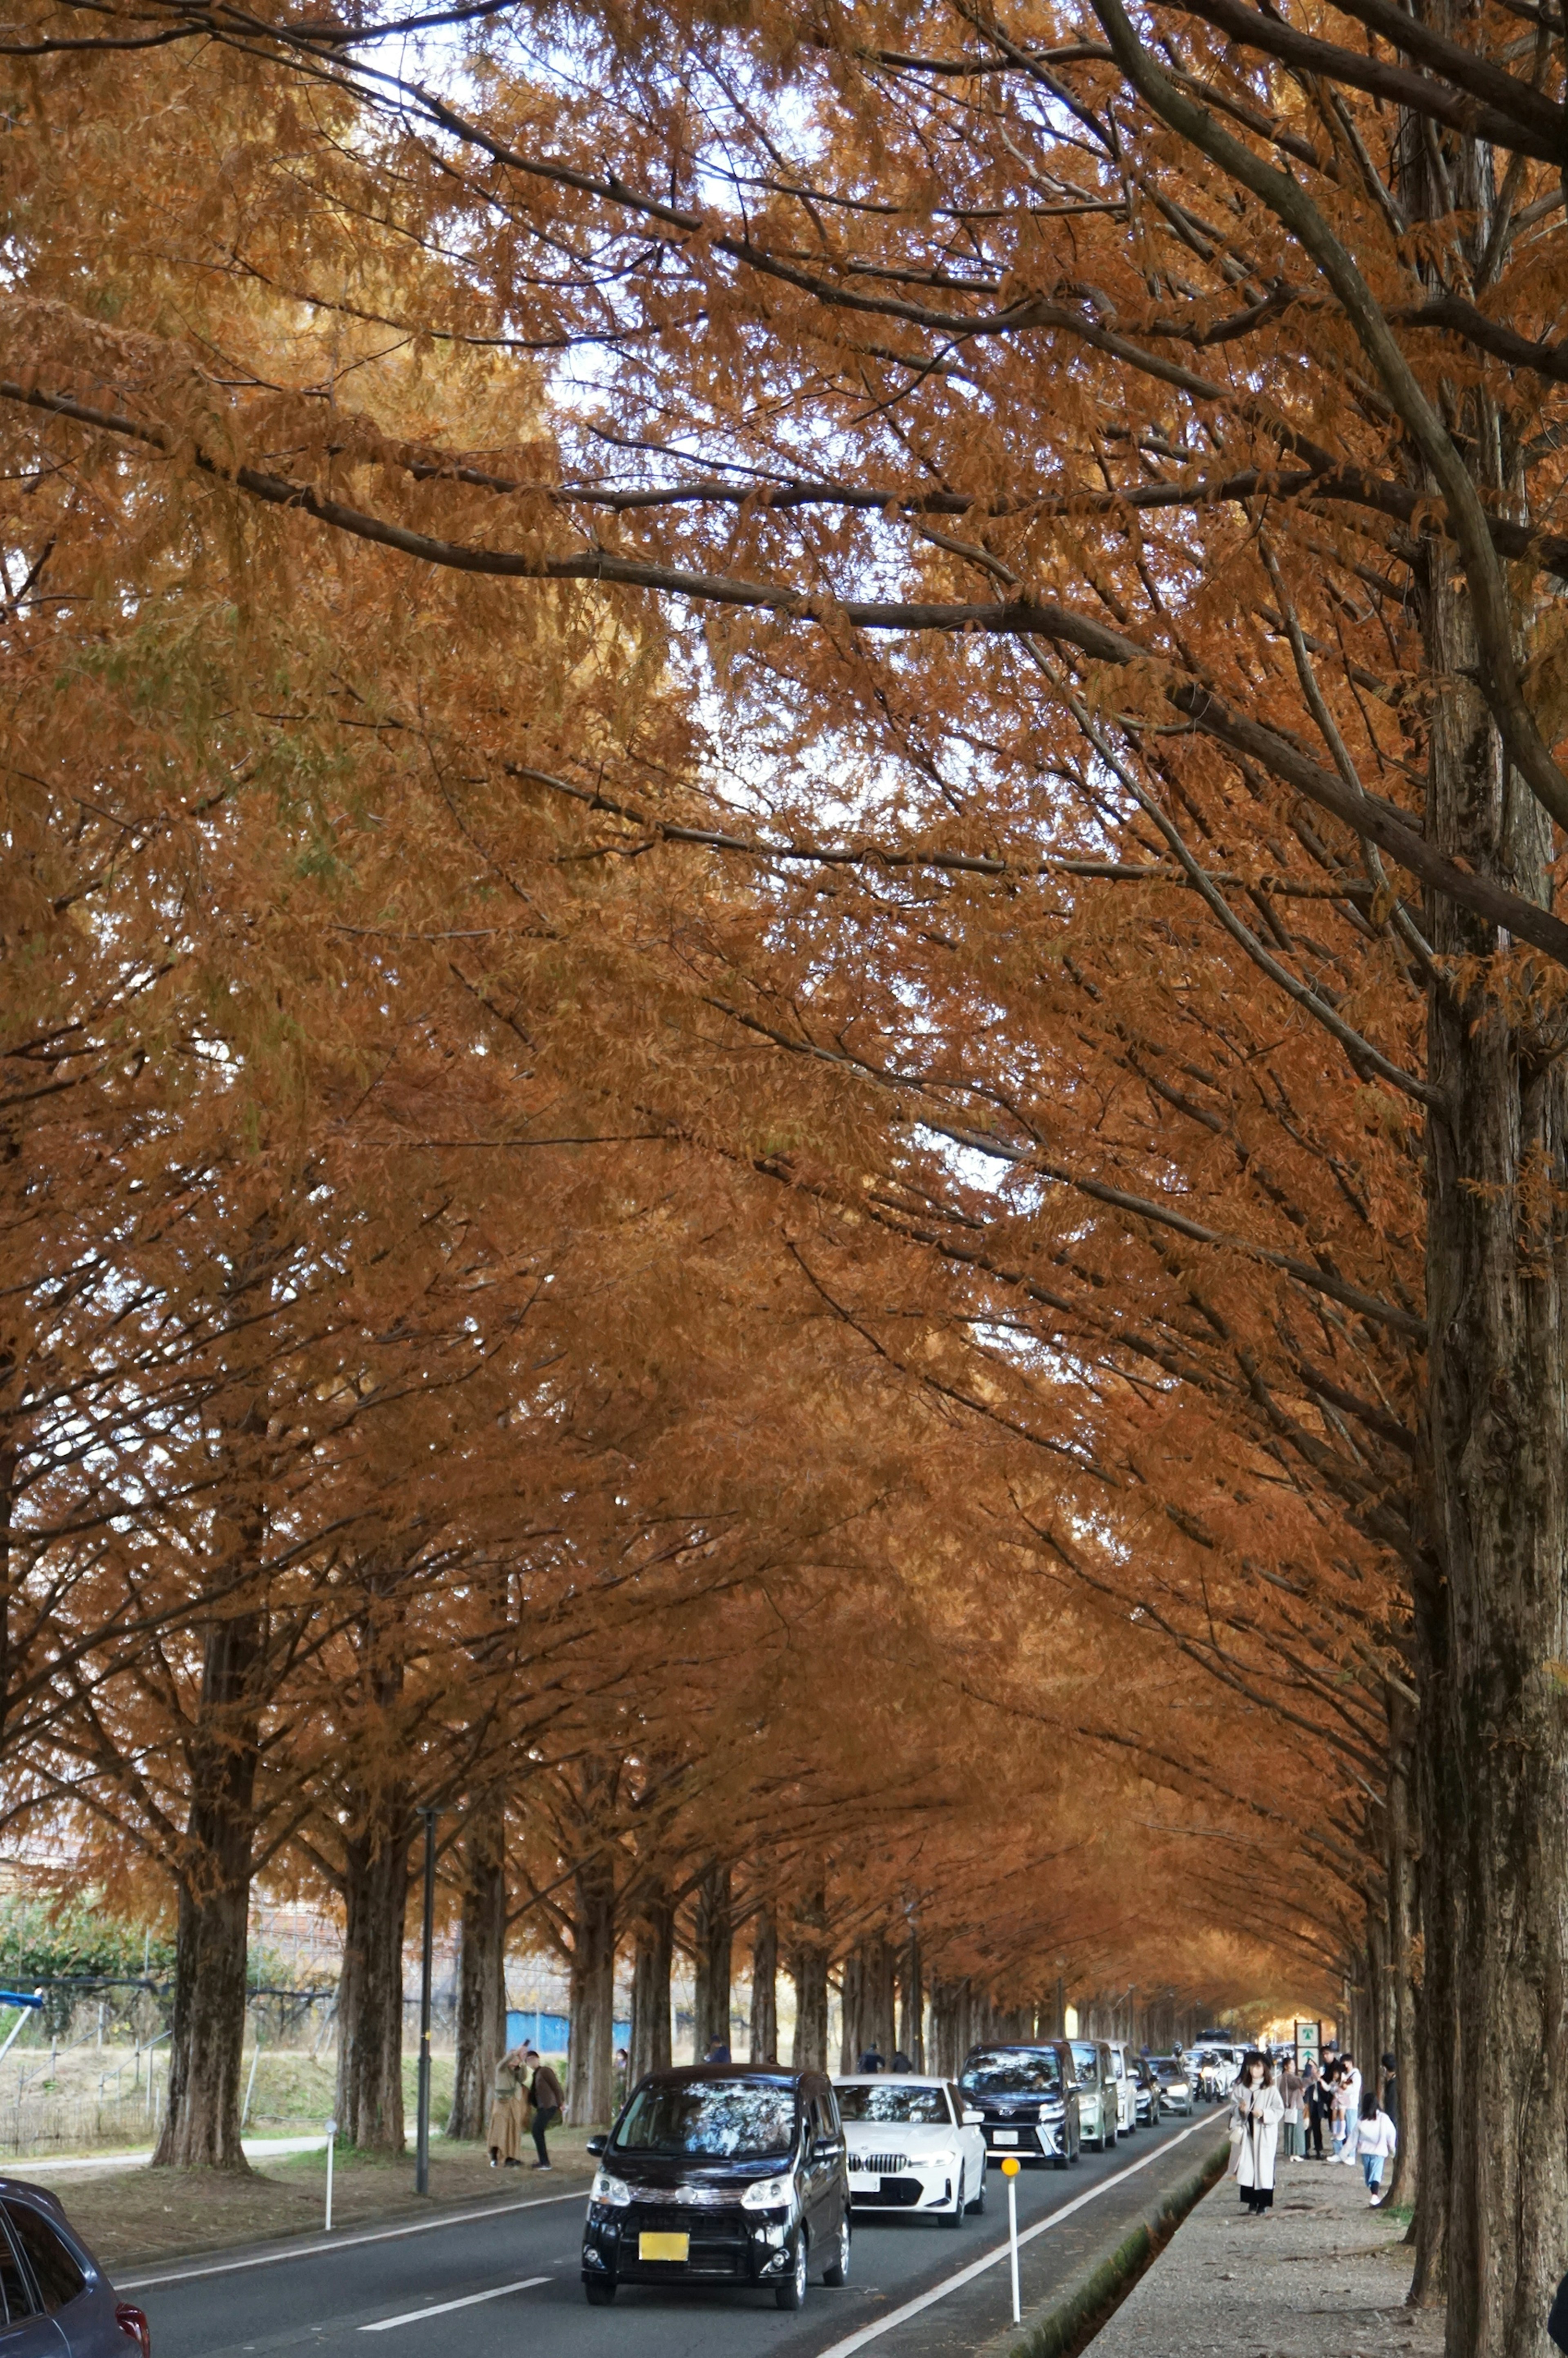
869	2002
591	2062
201	2127
911	2001
370	1988
764	2046
481	1969
652	1966
808	1972
714	1931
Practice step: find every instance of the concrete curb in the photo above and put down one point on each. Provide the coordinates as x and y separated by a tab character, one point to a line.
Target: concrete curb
1069	2321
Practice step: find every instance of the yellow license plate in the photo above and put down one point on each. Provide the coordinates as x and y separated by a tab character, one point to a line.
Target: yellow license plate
663	2248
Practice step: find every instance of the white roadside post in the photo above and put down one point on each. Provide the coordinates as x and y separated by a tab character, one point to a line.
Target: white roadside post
332	2142
1009	2171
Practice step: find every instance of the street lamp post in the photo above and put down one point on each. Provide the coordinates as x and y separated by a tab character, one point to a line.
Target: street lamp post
427	1961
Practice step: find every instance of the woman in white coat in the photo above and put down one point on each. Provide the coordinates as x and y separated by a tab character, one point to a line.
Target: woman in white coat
1256	2108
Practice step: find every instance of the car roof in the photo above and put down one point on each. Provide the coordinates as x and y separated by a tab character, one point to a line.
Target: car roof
761	2075
1015	2046
889	2080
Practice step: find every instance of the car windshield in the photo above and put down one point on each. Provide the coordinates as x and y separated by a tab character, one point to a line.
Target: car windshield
924	2107
716	2120
1167	2066
1005	2072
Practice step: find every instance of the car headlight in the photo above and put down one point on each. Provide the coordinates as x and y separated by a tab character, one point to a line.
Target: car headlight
1178	2087
767	2194
1052	2112
612	2190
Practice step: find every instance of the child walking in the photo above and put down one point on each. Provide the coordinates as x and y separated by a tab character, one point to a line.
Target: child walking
1376	2140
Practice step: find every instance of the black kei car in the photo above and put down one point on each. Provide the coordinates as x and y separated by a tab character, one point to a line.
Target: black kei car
1027	2097
715	2175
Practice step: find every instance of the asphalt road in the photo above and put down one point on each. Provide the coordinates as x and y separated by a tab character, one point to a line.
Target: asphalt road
509	2278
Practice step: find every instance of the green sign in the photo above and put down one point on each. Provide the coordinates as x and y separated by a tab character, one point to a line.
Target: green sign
1309	2041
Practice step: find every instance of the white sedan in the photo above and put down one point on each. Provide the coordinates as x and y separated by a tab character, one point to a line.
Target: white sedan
913	2144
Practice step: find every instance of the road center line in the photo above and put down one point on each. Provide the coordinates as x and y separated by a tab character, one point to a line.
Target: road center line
345	2242
417	2316
991	2259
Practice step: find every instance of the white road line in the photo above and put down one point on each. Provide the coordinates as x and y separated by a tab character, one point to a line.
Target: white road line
991	2259
345	2242
416	2316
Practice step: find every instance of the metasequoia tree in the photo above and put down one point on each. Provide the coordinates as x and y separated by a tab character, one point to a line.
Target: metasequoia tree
1186	982
1262	638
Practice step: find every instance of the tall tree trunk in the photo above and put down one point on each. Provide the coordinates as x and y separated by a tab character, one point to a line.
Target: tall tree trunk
652	1965
1407	2169
808	1972
715	1946
201	2129
764	2045
590	2061
481	1969
370	1987
851	2011
1497	1457
911	2002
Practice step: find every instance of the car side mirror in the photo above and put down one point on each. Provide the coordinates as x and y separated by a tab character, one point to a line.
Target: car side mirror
598	2144
826	2148
972	2119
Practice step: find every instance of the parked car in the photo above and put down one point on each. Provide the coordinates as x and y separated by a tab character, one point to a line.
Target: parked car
1027	2099
1147	2092
1175	2083
58	2301
1126	2093
712	2174
1098	2101
913	2144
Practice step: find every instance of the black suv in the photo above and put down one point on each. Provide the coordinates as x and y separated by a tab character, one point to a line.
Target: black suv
1028	2100
715	2175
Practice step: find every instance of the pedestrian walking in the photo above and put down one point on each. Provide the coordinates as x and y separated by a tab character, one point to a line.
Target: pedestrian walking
1292	2086
900	2062
871	2061
1257	2109
549	2103
508	2107
1316	2105
1376	2140
717	2051
1391	2087
1349	2108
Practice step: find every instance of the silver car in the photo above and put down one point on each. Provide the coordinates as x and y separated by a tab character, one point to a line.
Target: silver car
1175	2082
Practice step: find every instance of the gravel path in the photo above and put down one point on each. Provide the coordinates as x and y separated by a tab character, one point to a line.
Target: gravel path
1323	2277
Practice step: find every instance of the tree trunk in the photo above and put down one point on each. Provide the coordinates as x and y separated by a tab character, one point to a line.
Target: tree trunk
201	2129
652	1964
1496	1447
808	1972
764	2046
850	2001
590	2061
1407	2170
715	1945
481	1971
912	2003
370	1987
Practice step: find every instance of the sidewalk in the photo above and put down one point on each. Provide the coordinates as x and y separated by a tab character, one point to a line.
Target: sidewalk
1323	2277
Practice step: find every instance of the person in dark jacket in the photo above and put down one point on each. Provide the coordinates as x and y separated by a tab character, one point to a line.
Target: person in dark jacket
1557	2323
549	2103
871	2061
1392	2086
1318	2099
